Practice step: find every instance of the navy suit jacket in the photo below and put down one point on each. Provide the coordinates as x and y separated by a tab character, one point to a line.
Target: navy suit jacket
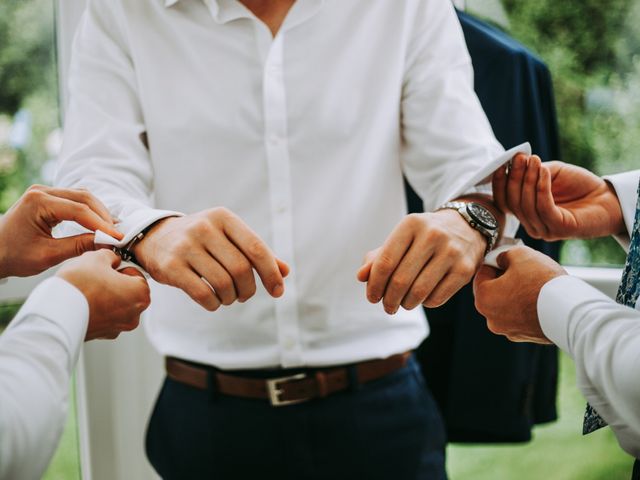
489	389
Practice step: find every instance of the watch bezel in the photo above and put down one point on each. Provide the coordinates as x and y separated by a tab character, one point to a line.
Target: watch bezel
470	207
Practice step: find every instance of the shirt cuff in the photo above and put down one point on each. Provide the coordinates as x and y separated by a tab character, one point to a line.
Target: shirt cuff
626	187
61	303
557	301
133	225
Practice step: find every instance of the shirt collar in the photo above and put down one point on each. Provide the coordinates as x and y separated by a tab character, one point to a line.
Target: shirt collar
226	10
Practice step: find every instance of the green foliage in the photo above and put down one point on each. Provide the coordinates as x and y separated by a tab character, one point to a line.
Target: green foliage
558	451
26	39
27	81
591	48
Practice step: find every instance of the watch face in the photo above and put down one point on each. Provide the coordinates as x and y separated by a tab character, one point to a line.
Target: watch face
481	215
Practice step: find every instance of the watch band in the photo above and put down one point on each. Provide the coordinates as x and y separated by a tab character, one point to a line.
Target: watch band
126	252
461	207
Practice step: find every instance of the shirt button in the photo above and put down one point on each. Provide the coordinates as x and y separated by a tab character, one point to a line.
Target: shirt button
289	343
282	208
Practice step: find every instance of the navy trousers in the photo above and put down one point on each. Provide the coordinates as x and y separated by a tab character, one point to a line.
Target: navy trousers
388	429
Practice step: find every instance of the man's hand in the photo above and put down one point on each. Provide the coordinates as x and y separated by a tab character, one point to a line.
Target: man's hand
427	258
211	255
26	244
556	201
508	299
116	299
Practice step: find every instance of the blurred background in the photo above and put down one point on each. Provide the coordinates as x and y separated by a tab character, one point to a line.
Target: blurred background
592	48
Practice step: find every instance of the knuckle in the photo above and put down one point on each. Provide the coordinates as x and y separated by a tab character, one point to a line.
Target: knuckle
385	263
454	250
414	221
493	327
33	195
240	269
400	282
465	269
247	293
256	249
419	293
436	233
224	286
220	213
201	227
202	295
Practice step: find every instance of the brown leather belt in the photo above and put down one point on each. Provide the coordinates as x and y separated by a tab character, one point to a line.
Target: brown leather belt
284	390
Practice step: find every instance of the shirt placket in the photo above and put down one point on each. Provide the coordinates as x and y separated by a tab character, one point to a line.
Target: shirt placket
280	196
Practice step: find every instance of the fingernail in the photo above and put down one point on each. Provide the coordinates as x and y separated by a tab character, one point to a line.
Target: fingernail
373	299
278	290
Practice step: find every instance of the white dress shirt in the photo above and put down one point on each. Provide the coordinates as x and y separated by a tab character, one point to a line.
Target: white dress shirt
38	353
305	136
601	336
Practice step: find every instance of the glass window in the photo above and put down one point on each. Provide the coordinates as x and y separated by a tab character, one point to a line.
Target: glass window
30	140
591	48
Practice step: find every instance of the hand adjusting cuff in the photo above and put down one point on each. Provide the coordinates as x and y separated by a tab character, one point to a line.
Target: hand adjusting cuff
479	218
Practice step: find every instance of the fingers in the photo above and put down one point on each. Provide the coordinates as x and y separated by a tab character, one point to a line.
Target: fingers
485	274
514	184
401	283
230	273
548	212
499	187
365	269
197	288
258	254
504	259
387	260
283	267
69	247
230	283
60	209
426	282
79	195
446	288
132	272
530	218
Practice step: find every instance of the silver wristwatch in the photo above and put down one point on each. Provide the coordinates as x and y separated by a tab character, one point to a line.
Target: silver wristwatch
479	218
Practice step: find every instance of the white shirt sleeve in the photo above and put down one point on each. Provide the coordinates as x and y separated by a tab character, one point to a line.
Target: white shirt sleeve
449	147
626	187
38	352
104	149
603	338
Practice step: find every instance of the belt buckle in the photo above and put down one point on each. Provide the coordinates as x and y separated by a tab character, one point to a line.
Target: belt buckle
275	391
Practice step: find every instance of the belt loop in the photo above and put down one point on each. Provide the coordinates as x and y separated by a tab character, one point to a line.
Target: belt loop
212	385
321	381
354	381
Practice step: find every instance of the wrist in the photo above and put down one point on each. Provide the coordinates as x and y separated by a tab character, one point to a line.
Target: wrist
138	247
478	218
614	209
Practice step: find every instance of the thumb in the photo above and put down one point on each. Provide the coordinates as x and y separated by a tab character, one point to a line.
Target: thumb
485	274
504	260
367	263
283	267
69	247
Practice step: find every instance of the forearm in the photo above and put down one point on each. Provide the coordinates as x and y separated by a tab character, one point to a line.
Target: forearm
623	188
603	338
37	355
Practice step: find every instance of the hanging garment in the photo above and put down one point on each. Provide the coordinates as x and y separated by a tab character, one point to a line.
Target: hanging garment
488	388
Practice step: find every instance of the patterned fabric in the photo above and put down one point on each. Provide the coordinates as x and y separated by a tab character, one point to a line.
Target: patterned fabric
627	295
